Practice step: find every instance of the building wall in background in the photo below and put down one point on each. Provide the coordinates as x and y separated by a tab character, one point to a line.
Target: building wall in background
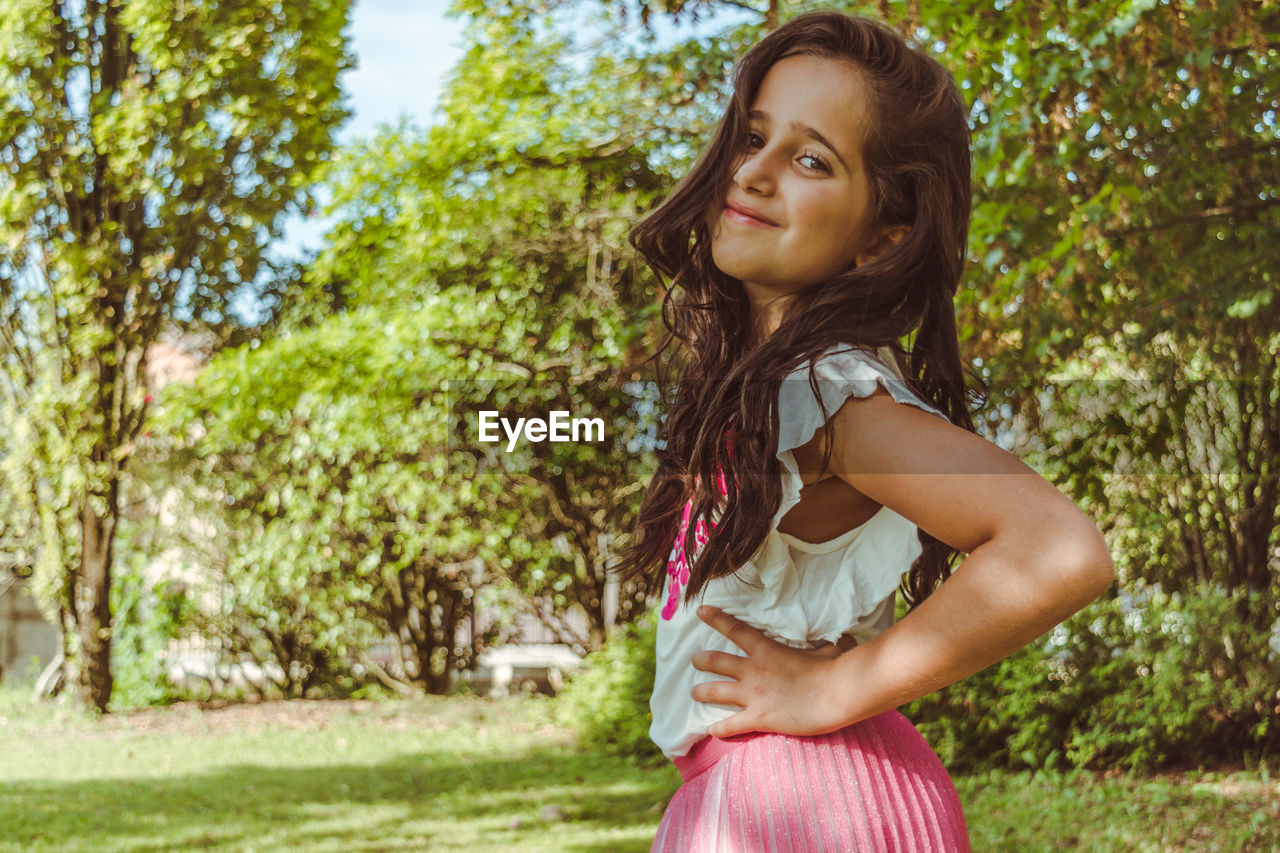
27	641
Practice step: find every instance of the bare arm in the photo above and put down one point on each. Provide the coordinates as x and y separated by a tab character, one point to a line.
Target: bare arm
1034	559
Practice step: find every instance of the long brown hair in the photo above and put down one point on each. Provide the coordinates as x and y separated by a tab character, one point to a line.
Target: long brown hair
916	153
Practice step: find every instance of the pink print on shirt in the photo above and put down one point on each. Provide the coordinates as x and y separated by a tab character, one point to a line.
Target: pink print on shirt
677	564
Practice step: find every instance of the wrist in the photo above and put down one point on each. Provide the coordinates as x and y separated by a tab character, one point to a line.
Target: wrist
856	693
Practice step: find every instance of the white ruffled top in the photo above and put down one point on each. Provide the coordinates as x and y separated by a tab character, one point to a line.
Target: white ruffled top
799	593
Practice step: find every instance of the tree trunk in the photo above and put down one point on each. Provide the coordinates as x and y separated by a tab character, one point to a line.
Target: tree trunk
93	600
53	678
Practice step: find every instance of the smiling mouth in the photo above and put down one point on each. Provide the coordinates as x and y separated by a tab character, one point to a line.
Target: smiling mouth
744	216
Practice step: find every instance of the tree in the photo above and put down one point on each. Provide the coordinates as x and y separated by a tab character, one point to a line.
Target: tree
1122	248
521	209
1123	278
322	459
148	151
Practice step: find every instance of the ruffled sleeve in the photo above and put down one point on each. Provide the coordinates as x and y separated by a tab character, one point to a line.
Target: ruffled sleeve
841	373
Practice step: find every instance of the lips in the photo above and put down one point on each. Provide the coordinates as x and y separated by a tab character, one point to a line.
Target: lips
740	213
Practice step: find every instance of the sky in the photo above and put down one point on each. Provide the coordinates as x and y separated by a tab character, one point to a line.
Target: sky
403	51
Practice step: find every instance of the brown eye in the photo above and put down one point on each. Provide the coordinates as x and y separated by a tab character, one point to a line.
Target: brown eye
755	140
816	163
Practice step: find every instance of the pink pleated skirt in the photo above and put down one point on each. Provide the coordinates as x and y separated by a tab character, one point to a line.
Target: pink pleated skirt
874	787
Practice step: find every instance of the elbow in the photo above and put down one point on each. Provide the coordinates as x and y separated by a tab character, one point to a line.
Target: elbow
1077	563
1102	573
1094	569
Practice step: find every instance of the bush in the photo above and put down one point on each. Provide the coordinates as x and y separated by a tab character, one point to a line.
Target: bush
607	700
1145	680
1141	681
145	618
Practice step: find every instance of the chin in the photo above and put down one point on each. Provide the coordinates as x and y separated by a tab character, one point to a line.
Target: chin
733	265
738	272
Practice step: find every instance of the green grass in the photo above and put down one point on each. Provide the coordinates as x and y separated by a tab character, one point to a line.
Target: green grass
472	774
1195	811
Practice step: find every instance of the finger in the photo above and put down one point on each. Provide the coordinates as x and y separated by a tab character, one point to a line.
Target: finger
738	632
739	723
717	693
721	663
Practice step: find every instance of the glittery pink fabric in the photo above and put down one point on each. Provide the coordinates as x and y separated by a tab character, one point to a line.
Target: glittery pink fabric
873	787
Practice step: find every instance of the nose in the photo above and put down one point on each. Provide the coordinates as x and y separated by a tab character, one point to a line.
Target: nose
755	174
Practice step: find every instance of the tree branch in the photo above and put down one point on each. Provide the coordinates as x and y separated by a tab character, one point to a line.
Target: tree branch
1196	216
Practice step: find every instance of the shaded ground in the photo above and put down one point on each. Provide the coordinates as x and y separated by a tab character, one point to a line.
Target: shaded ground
439	775
472	774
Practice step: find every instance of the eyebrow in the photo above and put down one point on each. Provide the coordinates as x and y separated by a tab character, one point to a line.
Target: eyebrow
805	130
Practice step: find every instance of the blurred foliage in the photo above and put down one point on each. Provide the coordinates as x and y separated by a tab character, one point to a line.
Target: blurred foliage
1120	295
1143	681
328	478
606	701
341	515
147	615
1177	463
1120	300
147	153
519	211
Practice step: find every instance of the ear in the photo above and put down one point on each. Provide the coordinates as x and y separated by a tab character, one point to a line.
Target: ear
887	238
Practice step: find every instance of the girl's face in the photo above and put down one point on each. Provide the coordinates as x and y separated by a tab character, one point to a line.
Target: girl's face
798	208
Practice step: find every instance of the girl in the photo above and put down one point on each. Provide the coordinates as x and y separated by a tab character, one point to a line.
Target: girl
810	461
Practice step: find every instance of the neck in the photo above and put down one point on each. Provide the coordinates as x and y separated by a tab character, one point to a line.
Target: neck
767	308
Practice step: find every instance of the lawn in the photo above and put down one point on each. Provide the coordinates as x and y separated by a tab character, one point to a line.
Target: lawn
473	774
